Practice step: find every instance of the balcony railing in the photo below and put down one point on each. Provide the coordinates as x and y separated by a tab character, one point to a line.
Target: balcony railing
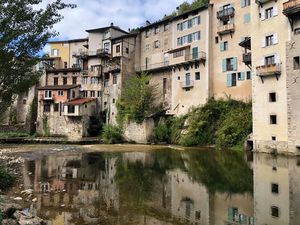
111	68
269	70
98	52
225	29
225	14
291	7
46	98
187	84
155	66
247	58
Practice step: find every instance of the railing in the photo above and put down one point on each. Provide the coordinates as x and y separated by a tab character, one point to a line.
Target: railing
247	58
152	66
270	69
196	56
226	28
43	97
187	84
110	68
225	13
291	4
98	52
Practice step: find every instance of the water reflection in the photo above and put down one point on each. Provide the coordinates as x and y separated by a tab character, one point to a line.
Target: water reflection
165	187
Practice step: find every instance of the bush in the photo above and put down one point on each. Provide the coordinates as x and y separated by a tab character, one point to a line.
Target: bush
161	133
112	134
6	179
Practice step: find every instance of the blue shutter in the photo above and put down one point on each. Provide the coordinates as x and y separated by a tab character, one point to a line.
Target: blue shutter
221	46
190	23
234	63
242	75
190	38
229	80
242	3
230	214
224	67
199	35
247	18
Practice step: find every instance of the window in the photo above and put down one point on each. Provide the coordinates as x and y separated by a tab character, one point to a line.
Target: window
65	80
56	107
114	100
189	38
274	188
245	3
147	47
273	119
269	40
247	18
60	93
47	107
197	76
231	80
248	75
114	76
269	13
85	94
92	94
85	80
241	75
296	63
156	30
273	138
269	60
118	49
127	50
164	86
156	44
178	78
106	34
272	97
197	215
229	64
71	108
216	39
48	94
297	31
106	47
224	46
73	94
65	65
148	33
55	81
99	94
275	211
74	80
93	81
166	27
233	214
178	54
54	52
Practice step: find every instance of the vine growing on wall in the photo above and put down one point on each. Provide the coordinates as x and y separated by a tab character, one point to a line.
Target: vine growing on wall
46	128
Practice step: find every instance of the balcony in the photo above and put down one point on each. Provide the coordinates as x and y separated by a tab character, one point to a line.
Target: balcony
196	56
225	29
225	14
112	68
187	84
291	8
260	2
153	67
97	53
44	97
269	70
247	58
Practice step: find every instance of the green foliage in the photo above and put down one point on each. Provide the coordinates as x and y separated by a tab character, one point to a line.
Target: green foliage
185	6
46	127
13	134
6	179
161	132
137	100
33	114
112	134
223	122
25	29
13	116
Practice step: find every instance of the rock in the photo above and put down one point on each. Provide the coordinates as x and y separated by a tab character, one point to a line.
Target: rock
25	218
9	209
9	222
28	192
34	200
18	199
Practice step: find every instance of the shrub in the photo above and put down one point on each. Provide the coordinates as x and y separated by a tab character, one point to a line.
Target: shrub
112	134
6	179
161	133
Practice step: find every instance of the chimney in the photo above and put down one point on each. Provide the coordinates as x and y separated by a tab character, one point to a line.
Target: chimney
147	23
177	10
128	29
111	24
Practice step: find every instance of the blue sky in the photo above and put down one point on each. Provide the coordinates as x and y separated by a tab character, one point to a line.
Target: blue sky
97	13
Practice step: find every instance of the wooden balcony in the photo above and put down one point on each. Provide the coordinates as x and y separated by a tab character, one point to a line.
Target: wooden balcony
291	8
187	84
269	70
225	14
247	58
226	29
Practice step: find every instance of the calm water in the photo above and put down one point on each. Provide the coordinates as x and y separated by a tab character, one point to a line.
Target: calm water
203	187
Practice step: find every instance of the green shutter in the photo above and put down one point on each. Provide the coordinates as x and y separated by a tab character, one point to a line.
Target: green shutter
190	38
195	53
234	63
221	46
189	23
229	84
242	3
247	18
199	20
224	66
242	75
230	212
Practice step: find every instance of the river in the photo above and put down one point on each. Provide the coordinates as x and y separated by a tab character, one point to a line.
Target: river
128	184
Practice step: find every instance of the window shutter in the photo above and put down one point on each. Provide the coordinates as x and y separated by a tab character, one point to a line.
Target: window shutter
247	18
224	65
229	84
199	19
221	46
242	75
263	62
190	38
277	58
199	35
234	63
275	36
263	42
242	3
275	10
262	14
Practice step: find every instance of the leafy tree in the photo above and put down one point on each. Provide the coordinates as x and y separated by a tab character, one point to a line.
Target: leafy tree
24	31
137	100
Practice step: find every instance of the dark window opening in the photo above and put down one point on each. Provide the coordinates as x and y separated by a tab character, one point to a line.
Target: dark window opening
65	80
118	48
217	40
74	80
164	86
55	81
273	138
273	119
114	100
47	107
248	75
71	108
270	60
275	188
296	63
127	50
275	211
56	107
272	97
197	76
178	77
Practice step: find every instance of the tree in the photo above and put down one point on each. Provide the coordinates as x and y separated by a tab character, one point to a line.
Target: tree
24	31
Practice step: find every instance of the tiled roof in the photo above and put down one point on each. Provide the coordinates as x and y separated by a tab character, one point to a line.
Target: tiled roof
80	101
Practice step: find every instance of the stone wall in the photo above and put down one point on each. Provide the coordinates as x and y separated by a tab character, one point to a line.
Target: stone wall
14	128
139	133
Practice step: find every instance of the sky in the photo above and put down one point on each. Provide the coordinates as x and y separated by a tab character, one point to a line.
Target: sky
99	13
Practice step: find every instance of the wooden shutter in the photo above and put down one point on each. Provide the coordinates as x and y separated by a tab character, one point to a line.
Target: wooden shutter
275	38
224	66
229	84
242	75
242	3
275	10
221	46
234	63
262	14
263	42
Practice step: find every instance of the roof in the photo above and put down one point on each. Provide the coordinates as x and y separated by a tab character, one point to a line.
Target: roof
58	87
80	101
68	41
171	18
75	69
102	29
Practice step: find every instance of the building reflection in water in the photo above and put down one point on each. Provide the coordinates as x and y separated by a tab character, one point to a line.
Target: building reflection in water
164	188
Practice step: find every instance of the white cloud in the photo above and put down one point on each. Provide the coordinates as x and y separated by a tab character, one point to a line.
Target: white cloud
98	13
